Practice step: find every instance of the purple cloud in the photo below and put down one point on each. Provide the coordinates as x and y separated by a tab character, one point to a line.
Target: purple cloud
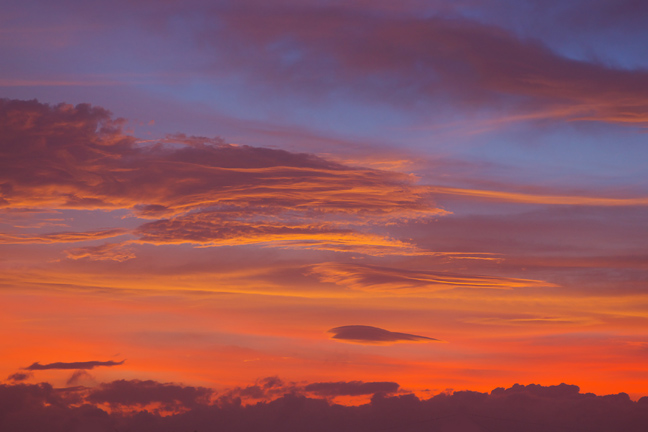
72	365
373	335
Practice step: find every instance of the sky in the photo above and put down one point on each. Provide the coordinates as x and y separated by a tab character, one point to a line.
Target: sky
340	200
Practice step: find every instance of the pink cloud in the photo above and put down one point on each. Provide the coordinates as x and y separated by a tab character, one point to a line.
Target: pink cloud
213	193
413	62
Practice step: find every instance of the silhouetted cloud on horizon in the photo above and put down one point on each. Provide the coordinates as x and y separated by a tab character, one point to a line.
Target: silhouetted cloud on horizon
532	408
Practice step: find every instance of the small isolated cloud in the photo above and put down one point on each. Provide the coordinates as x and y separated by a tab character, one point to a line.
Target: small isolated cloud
72	365
19	376
79	376
61	237
351	388
373	335
105	252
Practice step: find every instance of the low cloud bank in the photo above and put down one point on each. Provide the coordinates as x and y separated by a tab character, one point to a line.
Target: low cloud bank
530	408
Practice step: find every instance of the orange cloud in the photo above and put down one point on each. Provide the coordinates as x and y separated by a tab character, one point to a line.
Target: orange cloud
214	194
61	237
527	198
374	278
107	251
363	334
212	229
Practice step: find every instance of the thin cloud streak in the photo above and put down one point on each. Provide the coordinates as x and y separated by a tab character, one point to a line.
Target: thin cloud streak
61	237
212	193
527	198
72	365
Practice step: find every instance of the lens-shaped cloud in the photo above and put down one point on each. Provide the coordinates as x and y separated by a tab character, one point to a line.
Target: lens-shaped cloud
363	334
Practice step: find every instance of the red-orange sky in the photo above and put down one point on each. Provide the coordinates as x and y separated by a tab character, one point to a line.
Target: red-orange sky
418	197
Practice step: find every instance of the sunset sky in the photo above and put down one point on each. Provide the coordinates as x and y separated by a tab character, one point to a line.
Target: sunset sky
339	197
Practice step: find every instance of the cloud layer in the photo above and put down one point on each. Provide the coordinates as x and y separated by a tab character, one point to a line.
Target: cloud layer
209	192
32	408
373	278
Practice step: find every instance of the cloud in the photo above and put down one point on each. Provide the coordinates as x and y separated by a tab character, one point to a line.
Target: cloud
73	365
143	393
106	252
533	407
351	388
530	198
374	278
373	335
208	192
79	376
410	61
215	229
20	376
61	237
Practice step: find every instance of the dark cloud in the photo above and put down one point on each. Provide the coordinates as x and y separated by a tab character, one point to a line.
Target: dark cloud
79	376
106	252
351	388
532	408
213	228
142	393
373	335
374	278
20	376
73	365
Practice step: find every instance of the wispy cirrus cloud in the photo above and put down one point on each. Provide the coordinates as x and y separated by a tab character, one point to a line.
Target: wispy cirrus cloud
19	376
143	393
211	193
61	237
426	60
106	252
386	279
